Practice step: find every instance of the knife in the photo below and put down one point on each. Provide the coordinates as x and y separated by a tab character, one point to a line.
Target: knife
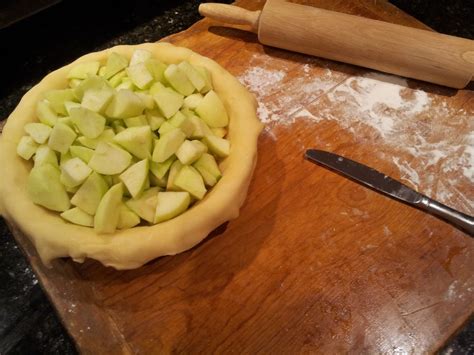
384	184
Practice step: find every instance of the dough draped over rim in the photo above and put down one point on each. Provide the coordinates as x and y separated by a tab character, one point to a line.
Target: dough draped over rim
131	248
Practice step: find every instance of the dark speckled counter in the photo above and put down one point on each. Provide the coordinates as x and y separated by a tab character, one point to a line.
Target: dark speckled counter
58	35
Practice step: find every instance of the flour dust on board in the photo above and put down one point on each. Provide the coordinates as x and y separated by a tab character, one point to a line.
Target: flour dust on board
409	121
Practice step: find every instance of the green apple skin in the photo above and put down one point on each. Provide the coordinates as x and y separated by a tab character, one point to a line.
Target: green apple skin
212	111
145	204
90	193
188	179
44	188
109	159
136	140
77	216
107	214
170	205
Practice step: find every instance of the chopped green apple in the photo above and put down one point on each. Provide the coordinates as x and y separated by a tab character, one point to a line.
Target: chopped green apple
136	121
193	101
220	132
127	218
190	151
140	56
179	120
126	84
167	145
178	80
45	155
91	83
61	137
106	136
69	105
90	193
101	71
109	159
174	170
154	181
189	179
57	98
74	83
77	216
156	88
156	68
208	168
135	176
116	80
125	104
68	122
26	148
83	70
45	113
38	131
83	153
145	204
115	63
136	140
90	123
64	158
74	172
160	169
147	100
220	147
107	214
170	205
194	76
168	101
165	128
212	110
207	78
200	129
140	75
45	188
97	99
155	119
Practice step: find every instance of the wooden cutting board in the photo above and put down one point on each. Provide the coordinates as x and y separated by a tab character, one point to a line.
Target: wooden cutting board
315	263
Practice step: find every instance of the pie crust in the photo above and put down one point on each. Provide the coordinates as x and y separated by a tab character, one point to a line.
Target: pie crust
131	248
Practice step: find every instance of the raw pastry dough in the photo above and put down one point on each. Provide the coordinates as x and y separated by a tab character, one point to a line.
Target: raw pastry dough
128	249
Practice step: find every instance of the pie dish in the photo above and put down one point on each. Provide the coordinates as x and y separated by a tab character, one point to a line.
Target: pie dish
131	248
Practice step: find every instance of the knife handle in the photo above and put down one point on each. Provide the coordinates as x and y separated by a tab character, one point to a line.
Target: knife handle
231	14
457	218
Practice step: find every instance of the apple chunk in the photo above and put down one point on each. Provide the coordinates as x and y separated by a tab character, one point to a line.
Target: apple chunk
109	159
74	172
125	104
189	179
212	110
127	218
44	188
167	145
168	101
45	155
145	205
135	176
83	70
107	215
77	216
220	147
115	63
26	148
178	80
89	123
136	140
90	193
61	137
170	205
38	131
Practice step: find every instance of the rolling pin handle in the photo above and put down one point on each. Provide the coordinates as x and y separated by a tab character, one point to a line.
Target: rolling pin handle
231	14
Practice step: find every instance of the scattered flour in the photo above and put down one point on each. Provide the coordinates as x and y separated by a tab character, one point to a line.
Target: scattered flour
417	132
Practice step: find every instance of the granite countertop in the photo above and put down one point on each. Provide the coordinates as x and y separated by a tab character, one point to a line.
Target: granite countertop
28	322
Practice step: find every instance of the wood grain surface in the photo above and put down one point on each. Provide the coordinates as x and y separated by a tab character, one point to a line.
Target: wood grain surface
315	263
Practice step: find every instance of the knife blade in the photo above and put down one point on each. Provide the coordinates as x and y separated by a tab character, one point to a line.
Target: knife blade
390	187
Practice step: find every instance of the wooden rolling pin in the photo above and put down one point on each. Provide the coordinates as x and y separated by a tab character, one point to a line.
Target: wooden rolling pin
395	49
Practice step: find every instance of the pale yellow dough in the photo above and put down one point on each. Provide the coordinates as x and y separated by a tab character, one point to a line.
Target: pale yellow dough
128	249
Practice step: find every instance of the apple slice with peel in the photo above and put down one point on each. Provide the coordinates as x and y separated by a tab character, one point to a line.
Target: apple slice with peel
90	193
90	123
45	188
168	101
45	155
125	104
77	216
167	145
109	159
74	172
45	113
115	63
83	70
170	205
26	148
106	136
190	151
189	179
38	131
194	76
57	98
208	168
135	176
85	154
174	170
145	205
160	169
127	218
178	80
212	110
97	99
61	137
220	147
136	140
107	216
